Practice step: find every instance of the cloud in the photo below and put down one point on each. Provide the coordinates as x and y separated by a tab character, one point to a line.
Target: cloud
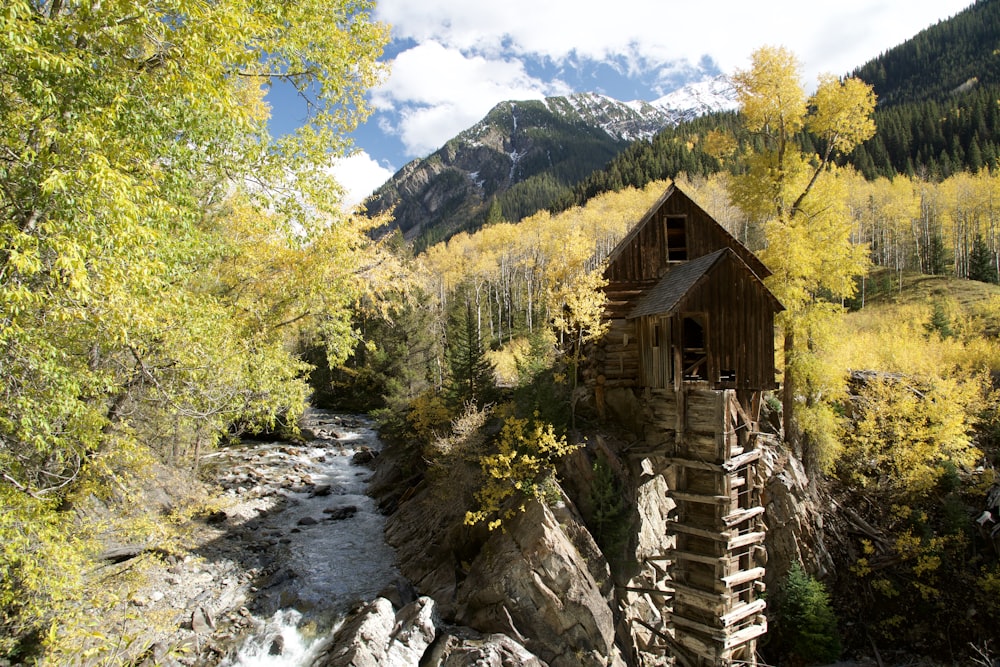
829	36
434	92
360	176
468	56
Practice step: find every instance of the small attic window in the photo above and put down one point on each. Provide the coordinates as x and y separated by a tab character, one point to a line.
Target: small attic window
677	238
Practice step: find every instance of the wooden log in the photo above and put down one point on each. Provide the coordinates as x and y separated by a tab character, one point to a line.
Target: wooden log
743	459
718	634
745	540
743	577
742	515
699	498
678	527
742	612
748	633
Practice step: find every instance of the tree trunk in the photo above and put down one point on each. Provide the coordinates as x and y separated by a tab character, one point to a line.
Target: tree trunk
789	424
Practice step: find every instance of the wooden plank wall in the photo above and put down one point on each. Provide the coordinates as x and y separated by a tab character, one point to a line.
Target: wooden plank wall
740	322
645	256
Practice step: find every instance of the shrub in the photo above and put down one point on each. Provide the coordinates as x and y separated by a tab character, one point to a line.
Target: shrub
522	469
807	626
610	514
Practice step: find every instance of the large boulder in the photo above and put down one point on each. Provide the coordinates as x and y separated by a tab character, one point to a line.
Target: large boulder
378	636
532	583
463	647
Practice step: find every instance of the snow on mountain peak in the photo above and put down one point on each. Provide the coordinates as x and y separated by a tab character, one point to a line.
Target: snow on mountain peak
700	97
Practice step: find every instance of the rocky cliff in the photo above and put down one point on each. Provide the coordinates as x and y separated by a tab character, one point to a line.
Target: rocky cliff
541	584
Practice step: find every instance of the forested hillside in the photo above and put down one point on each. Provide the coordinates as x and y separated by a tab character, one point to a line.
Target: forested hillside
936	115
953	55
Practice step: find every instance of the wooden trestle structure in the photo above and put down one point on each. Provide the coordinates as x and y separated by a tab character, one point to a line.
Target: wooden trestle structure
691	341
708	586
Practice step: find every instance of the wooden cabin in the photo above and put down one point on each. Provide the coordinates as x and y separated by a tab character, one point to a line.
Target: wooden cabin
686	303
692	340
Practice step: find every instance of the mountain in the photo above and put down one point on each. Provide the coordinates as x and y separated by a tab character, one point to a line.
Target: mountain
948	58
523	156
937	114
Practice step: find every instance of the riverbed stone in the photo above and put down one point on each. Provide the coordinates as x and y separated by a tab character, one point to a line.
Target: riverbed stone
464	647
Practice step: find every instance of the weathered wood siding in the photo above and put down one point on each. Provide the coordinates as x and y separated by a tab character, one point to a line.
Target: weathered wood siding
643	253
739	327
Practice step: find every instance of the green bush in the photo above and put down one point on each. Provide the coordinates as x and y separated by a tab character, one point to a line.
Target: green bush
806	625
610	514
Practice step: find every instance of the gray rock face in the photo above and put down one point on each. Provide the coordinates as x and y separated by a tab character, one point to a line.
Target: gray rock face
794	522
378	636
531	582
541	580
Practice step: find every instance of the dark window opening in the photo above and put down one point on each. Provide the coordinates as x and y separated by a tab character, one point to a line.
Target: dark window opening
695	357
677	238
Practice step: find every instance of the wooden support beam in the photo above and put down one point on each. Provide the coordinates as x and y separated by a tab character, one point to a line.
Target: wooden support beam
713	602
650	591
741	612
741	460
699	558
743	577
745	540
716	535
700	498
718	634
746	634
742	515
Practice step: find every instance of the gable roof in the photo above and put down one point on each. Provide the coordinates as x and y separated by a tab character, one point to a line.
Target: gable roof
672	289
751	260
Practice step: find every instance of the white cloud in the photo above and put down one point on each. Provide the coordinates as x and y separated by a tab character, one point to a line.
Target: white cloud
439	91
828	36
471	55
360	176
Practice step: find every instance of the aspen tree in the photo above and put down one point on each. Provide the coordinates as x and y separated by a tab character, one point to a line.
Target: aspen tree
806	226
139	191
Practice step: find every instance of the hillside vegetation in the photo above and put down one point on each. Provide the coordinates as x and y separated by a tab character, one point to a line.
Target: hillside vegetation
148	314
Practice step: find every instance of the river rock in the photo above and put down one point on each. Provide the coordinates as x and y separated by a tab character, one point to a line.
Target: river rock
364	456
202	621
377	636
463	647
340	513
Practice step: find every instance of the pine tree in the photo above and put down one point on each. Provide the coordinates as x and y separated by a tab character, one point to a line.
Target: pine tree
472	376
981	264
807	626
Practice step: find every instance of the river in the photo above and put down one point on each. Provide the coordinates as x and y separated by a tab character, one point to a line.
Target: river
331	553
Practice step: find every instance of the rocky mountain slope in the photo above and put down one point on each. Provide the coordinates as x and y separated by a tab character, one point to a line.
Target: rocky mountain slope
522	154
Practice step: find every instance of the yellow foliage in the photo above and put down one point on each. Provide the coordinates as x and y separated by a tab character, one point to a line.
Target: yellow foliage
903	435
523	468
508	360
428	415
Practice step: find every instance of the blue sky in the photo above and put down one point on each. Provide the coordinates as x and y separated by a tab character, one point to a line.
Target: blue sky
451	61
